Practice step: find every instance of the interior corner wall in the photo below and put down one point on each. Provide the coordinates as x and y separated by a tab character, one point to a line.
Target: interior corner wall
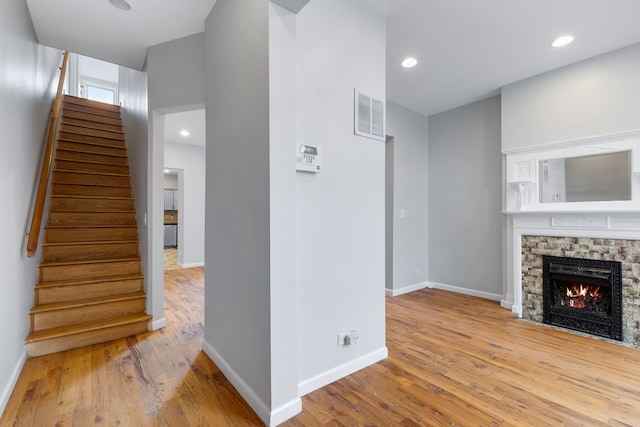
595	97
340	237
132	91
237	225
28	81
465	200
410	216
176	72
191	159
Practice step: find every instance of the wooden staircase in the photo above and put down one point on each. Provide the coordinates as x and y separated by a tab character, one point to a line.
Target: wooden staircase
90	288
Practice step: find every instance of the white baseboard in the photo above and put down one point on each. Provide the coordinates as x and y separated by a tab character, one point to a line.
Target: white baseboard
270	418
459	290
314	383
191	265
8	389
506	304
405	290
158	324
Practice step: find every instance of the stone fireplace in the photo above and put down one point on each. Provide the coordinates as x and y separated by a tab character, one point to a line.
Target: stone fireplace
577	200
605	251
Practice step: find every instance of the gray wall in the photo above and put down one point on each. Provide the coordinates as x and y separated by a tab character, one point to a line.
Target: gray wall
132	88
176	72
465	199
340	211
409	130
237	296
28	80
598	96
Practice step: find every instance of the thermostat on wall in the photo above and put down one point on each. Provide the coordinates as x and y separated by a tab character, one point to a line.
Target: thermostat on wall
308	158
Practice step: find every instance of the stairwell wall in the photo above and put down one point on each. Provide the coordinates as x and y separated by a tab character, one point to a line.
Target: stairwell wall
132	89
28	79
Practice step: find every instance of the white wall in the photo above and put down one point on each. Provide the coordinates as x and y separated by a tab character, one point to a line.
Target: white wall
191	159
340	241
598	96
133	100
465	200
285	401
409	246
237	332
28	80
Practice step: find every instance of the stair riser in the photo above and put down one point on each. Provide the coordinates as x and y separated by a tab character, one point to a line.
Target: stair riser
87	190
90	179
70	316
92	148
91	218
57	235
90	205
40	348
90	157
91	167
49	295
54	273
73	113
98	106
110	127
90	110
79	130
75	252
95	140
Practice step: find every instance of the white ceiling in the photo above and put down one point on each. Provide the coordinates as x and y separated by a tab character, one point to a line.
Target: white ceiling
192	121
97	29
467	49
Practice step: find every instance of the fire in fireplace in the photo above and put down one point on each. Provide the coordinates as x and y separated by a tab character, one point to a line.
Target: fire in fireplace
583	294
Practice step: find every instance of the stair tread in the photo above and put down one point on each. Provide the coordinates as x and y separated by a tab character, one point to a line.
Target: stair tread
86	302
70	106
102	242
61	196
92	261
92	226
87	126
94	212
89	152
92	173
93	325
97	144
71	282
88	162
91	103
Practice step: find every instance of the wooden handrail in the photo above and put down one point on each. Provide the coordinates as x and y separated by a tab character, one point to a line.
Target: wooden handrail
38	208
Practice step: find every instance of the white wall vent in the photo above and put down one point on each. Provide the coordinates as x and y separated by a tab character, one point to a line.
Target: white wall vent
369	116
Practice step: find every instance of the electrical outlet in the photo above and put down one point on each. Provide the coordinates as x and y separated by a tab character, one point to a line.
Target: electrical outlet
402	213
418	271
347	338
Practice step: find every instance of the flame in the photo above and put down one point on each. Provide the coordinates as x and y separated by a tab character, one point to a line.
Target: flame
578	294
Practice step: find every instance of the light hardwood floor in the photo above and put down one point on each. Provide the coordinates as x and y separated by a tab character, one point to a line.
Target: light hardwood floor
454	360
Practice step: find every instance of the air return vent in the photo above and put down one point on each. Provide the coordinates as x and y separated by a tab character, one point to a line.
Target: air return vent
369	116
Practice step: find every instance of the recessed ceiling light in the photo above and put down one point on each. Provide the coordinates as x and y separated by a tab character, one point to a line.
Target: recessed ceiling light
409	62
120	4
562	41
167	171
185	132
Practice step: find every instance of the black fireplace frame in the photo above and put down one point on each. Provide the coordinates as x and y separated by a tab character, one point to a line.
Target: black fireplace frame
581	320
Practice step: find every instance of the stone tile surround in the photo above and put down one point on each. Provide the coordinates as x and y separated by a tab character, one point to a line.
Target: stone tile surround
625	251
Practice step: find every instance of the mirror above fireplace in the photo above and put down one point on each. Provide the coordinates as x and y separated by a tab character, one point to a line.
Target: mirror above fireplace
593	178
600	174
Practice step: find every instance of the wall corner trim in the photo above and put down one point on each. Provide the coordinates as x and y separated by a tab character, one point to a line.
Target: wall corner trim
465	291
158	324
8	389
341	371
406	289
243	388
